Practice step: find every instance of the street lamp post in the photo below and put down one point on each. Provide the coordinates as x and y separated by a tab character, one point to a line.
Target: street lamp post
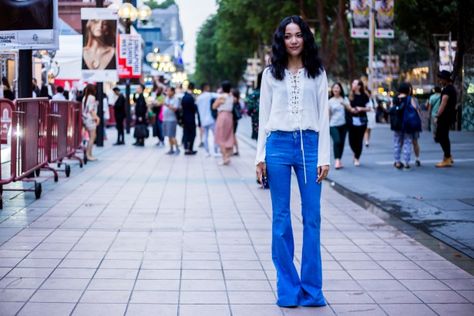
129	14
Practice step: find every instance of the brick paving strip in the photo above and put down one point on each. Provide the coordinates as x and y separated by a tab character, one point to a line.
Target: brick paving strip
143	233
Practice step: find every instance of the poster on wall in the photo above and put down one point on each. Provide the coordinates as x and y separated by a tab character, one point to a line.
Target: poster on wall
384	13
447	55
29	24
130	56
360	16
99	37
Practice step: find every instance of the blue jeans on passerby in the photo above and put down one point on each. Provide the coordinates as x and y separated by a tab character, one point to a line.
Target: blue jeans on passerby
283	153
207	129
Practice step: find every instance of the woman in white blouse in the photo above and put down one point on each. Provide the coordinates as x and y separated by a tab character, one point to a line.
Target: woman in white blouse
294	134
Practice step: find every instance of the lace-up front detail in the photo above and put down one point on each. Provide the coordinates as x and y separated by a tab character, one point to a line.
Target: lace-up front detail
294	83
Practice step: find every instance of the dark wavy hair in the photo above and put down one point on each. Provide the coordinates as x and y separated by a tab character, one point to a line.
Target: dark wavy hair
340	87
311	61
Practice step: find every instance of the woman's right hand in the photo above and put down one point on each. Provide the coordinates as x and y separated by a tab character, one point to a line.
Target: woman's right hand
261	171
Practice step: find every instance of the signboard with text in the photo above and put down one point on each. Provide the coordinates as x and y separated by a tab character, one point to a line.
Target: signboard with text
130	56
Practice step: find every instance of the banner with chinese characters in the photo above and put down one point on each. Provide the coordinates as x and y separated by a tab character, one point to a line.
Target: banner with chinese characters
99	36
384	13
130	56
360	16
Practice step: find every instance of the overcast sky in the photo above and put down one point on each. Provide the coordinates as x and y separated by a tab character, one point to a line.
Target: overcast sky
193	13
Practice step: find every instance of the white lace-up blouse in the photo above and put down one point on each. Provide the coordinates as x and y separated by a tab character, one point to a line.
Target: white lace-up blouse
296	103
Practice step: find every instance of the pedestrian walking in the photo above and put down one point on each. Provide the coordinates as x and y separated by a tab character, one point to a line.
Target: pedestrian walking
224	123
416	135
357	118
157	109
338	103
252	102
208	123
403	115
89	118
120	114
236	116
371	105
190	112
433	106
294	134
445	117
141	124
170	121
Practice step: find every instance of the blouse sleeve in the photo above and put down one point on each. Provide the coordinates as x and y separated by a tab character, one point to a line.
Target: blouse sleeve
264	114
324	142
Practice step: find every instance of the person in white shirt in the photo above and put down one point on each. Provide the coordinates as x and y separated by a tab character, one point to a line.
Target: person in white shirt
59	95
338	104
208	123
294	134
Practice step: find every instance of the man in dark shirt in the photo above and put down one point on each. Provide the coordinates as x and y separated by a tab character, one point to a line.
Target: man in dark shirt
189	120
445	117
119	113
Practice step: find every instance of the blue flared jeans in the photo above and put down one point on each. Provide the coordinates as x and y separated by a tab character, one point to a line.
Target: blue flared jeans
283	153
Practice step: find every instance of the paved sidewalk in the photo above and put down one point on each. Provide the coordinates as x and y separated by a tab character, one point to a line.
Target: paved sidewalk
142	233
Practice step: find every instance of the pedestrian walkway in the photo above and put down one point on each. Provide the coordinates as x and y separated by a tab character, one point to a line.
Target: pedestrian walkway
142	233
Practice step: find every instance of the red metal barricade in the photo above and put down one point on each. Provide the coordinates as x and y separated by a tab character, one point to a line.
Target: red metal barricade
27	142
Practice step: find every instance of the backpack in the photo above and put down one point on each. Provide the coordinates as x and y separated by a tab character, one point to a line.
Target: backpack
395	114
236	111
411	119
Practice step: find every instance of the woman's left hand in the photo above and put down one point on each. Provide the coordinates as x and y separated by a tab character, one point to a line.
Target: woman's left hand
322	173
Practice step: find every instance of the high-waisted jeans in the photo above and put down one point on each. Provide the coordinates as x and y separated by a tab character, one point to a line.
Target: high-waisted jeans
283	152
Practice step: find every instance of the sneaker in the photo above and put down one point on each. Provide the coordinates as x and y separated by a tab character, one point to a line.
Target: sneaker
356	162
418	163
171	152
177	152
445	163
190	152
201	145
406	167
398	165
235	154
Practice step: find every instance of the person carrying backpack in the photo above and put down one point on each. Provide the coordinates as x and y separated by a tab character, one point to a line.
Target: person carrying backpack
405	123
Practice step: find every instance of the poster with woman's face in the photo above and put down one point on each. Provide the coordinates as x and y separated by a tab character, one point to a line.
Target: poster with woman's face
28	24
384	18
360	13
99	36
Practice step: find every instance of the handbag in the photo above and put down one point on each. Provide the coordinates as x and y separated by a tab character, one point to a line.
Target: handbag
141	131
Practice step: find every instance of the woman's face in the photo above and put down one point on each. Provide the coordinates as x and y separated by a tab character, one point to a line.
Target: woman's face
355	85
169	93
336	90
293	40
96	28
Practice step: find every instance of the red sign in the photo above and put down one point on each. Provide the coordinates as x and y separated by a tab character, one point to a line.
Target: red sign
129	56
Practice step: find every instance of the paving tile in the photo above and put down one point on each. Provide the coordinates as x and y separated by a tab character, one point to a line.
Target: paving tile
10	308
203	274
111	284
127	274
29	272
201	297
357	309
309	311
155	297
157	285
79	273
83	309
460	284
469	295
257	309
112	297
209	310
411	274
347	297
15	295
381	285
20	283
245	275
56	296
248	285
424	285
434	297
388	297
50	309
151	309
371	274
407	310
203	285
65	284
251	297
453	309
